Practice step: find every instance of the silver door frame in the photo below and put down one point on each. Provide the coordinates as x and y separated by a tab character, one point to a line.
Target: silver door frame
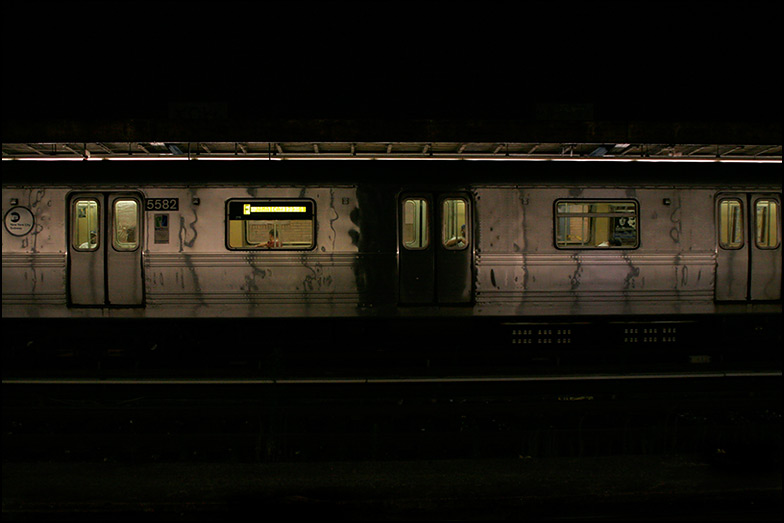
105	276
747	272
765	262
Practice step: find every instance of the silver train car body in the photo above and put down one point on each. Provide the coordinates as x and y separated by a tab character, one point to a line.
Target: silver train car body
373	244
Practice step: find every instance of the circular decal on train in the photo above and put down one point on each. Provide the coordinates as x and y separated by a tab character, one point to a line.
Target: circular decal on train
19	221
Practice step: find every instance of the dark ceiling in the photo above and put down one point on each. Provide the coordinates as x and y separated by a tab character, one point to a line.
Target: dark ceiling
111	71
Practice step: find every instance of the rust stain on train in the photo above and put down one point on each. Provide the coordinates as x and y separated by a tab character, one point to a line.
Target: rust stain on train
630	281
576	277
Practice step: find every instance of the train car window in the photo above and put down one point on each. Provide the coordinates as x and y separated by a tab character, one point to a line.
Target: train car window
85	224
730	224
415	224
126	224
767	213
271	224
454	227
596	224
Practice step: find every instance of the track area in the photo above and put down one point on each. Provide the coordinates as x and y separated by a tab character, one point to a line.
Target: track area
389	419
650	488
577	447
356	420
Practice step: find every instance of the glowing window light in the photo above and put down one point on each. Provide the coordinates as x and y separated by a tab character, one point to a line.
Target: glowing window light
252	209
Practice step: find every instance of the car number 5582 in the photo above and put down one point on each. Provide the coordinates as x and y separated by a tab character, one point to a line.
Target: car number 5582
162	204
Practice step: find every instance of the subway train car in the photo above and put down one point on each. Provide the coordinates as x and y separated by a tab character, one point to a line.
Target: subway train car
521	255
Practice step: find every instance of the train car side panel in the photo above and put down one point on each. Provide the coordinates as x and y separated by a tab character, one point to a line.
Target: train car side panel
671	267
198	270
34	262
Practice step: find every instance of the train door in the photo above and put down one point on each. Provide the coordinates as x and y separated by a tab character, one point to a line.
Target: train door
435	248
749	246
105	249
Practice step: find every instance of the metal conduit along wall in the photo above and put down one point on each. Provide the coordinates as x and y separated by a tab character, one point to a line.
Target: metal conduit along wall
391	150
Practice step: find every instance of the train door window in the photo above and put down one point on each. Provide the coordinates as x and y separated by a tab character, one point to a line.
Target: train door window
85	224
767	214
731	224
581	224
454	227
415	224
268	224
125	214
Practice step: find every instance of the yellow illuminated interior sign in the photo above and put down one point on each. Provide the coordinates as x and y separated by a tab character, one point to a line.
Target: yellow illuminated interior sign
251	209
